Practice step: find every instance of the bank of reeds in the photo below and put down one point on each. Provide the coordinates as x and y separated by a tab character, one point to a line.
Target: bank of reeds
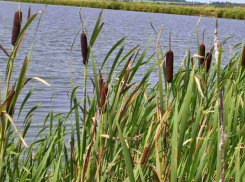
132	131
231	13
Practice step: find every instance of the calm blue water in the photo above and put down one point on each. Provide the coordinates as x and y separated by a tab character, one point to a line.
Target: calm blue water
58	28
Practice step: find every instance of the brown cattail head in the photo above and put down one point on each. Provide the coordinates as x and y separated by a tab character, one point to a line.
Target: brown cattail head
243	57
103	94
84	47
16	26
209	60
202	53
169	66
144	156
29	13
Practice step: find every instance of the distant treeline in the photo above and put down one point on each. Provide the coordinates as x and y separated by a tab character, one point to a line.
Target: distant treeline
205	10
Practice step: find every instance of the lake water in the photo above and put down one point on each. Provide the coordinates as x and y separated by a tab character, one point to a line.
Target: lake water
58	28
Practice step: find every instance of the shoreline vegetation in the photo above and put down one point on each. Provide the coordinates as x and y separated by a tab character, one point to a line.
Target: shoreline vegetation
205	10
188	126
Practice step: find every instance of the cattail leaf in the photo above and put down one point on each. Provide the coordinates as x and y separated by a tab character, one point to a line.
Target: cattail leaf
111	51
184	111
199	86
95	79
237	163
115	62
56	174
16	130
127	55
140	59
24	101
174	145
147	74
32	110
127	156
96	30
202	155
37	175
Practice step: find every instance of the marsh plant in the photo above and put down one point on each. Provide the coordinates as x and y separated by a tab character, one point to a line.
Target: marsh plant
189	126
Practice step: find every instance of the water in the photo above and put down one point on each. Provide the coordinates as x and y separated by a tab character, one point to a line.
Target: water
58	28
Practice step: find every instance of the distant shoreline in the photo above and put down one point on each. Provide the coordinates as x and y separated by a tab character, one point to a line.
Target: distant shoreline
230	13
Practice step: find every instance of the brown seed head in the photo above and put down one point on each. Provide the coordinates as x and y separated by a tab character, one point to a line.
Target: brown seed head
17	19
144	156
202	53
243	57
209	60
84	47
16	26
15	34
169	66
103	95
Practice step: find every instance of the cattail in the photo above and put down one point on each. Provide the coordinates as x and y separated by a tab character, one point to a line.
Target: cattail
84	47
16	26
243	57
169	62
144	156
208	59
169	66
103	95
202	50
202	53
29	13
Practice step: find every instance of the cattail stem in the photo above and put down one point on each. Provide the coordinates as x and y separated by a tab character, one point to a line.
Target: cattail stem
83	145
203	36
169	40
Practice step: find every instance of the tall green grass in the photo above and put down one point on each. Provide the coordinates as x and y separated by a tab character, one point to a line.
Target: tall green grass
143	132
231	13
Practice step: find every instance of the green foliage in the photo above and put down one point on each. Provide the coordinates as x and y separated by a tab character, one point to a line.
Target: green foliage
211	11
